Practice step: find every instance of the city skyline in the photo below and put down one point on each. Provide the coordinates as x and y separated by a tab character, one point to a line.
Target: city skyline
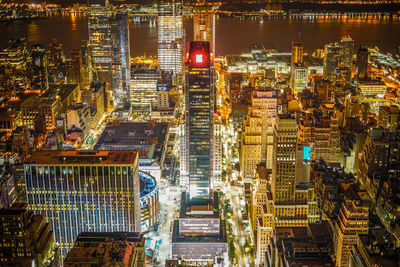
141	146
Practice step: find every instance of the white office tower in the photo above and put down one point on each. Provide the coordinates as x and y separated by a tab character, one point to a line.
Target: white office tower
184	176
170	36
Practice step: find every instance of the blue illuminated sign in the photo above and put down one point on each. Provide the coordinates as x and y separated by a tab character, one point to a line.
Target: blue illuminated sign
307	153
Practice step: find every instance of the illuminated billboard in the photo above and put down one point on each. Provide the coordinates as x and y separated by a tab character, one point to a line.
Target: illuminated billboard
307	153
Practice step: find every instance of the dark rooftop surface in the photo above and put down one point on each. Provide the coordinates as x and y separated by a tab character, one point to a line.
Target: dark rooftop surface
176	238
146	137
82	157
197	205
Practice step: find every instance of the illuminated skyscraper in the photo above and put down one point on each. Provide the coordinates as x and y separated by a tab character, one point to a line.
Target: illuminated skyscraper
199	118
84	191
346	52
55	62
100	43
143	91
297	52
38	67
13	63
170	35
284	165
299	79
204	25
362	63
353	221
331	60
121	66
257	138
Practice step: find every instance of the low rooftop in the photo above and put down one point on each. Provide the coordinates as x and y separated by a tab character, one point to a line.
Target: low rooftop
82	157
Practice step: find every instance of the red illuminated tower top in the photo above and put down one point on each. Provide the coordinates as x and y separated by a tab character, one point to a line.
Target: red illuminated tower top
199	55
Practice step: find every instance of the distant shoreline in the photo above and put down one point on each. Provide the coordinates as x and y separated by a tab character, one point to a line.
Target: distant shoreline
314	7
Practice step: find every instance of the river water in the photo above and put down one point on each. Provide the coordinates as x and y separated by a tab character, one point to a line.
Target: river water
233	35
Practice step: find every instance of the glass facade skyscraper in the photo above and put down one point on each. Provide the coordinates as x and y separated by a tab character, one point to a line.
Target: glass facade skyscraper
346	52
199	118
170	36
121	66
84	191
331	60
100	43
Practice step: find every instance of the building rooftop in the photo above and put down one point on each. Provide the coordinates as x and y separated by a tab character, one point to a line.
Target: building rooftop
177	238
46	99
82	157
104	248
148	138
202	208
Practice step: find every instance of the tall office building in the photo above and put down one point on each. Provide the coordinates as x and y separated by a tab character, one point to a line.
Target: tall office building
100	42
170	36
84	191
362	63
284	165
55	62
26	238
204	25
85	62
346	52
217	159
121	66
72	67
39	80
331	60
183	167
299	79
143	90
199	118
13	63
353	221
257	137
290	203
297	52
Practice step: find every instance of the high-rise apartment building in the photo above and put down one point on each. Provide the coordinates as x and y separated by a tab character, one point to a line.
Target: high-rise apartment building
170	36
84	191
121	66
362	63
199	118
204	25
331	60
100	41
